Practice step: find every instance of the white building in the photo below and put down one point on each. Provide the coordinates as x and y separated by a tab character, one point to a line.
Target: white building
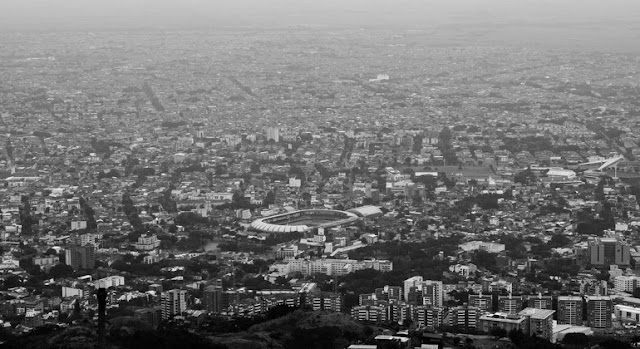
108	282
273	133
415	281
147	243
174	302
491	247
626	313
78	225
625	283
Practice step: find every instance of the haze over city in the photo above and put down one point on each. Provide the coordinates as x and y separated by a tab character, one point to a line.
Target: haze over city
355	174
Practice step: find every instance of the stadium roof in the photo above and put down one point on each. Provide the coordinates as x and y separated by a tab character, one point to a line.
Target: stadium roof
265	224
366	211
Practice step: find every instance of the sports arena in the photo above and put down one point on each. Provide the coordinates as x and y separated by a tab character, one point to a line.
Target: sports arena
304	220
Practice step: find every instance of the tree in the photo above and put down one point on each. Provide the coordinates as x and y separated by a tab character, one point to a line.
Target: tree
576	340
484	259
270	198
60	271
559	241
525	177
612	343
11	281
498	332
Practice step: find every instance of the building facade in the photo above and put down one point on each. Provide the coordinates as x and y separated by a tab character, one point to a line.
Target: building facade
174	302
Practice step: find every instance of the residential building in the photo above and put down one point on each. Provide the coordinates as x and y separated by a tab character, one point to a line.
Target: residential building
80	257
464	316
505	321
509	304
599	311
212	298
174	302
539	322
481	301
626	283
627	313
147	243
371	313
570	310
540	302
149	316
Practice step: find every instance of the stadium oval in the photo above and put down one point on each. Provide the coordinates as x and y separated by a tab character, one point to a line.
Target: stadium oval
303	221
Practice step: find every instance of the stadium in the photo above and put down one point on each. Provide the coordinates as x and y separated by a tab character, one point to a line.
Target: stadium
304	220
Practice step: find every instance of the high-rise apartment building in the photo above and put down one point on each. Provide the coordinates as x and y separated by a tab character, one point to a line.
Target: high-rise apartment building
432	293
464	317
273	133
174	302
481	301
212	298
415	281
599	311
540	302
539	322
570	310
510	304
80	257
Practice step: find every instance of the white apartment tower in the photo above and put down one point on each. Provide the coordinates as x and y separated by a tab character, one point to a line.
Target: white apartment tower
273	133
174	302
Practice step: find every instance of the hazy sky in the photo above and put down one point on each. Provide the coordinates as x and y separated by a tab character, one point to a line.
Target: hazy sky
52	15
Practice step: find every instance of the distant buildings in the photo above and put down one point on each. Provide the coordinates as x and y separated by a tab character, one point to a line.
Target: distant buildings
603	252
331	266
80	257
108	282
491	247
147	243
431	291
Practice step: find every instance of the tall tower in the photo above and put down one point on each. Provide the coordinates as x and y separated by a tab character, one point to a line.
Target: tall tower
212	298
570	310
174	302
273	133
80	257
434	290
599	310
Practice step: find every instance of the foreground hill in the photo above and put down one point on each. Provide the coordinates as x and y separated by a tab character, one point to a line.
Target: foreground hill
298	329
